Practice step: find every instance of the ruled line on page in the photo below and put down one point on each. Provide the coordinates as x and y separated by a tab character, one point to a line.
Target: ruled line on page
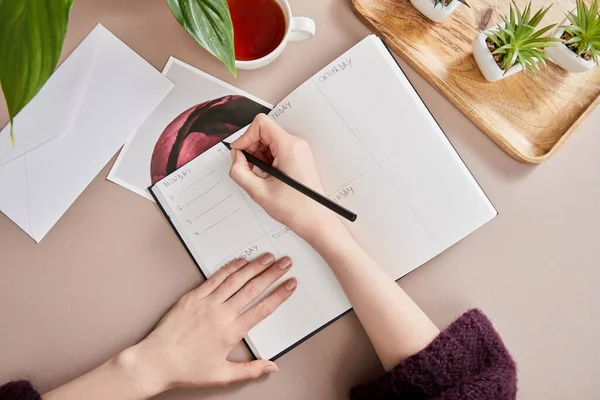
223	219
204	212
189	187
197	197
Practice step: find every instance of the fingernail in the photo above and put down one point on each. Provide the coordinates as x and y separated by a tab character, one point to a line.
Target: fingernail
285	263
269	369
267	259
240	262
291	284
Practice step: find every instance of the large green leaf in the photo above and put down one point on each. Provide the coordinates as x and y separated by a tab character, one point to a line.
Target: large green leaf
209	22
31	38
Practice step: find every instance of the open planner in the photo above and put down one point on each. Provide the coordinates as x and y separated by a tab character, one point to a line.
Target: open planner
379	152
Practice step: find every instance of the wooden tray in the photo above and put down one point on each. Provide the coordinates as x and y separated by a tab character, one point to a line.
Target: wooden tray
529	116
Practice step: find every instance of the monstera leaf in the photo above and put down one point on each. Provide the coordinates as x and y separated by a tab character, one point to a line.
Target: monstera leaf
209	22
31	38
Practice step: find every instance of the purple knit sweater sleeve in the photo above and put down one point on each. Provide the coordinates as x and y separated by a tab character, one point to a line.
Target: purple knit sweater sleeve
19	390
467	361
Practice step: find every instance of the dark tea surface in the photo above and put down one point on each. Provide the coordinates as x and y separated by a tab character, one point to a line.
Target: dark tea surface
258	27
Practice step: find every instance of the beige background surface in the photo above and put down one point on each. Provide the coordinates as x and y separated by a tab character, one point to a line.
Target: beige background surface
112	266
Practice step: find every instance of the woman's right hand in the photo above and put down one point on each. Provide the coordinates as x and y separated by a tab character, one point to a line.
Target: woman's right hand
397	327
291	155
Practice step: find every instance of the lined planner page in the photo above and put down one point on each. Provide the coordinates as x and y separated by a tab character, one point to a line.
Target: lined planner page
379	153
220	223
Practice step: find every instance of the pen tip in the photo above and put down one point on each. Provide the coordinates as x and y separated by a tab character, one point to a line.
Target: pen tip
228	145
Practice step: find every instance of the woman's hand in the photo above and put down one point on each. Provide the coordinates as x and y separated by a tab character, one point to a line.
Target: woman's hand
291	155
189	347
396	326
191	344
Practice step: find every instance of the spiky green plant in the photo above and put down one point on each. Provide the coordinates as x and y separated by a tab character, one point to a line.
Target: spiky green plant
517	42
584	31
444	3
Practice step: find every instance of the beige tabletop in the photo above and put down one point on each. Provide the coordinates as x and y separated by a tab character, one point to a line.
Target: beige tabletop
111	266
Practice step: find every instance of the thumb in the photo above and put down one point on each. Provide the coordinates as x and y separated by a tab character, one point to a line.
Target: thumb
242	174
248	370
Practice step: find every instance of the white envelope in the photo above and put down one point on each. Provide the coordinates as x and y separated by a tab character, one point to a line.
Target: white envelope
94	102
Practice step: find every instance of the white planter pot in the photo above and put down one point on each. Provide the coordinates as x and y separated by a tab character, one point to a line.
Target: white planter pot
438	13
566	58
486	63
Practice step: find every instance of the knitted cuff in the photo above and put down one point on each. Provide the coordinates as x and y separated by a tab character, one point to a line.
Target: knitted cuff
467	357
19	390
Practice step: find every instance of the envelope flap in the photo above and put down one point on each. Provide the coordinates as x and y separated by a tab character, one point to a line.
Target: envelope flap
50	113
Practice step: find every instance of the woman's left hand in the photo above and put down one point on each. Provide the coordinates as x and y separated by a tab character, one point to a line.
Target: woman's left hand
189	347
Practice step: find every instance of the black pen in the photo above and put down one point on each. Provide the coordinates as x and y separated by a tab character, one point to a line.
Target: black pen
274	172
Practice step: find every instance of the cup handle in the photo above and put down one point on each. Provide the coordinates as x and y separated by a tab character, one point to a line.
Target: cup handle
303	28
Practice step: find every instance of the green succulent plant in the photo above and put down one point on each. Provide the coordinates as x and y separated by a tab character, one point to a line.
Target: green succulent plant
517	41
584	31
444	3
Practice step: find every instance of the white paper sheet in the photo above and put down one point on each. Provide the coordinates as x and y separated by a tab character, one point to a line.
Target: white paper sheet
192	87
103	95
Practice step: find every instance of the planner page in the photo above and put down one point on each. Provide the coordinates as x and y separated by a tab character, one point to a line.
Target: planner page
379	153
220	223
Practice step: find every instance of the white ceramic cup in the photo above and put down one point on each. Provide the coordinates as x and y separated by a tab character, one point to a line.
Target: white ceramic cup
296	29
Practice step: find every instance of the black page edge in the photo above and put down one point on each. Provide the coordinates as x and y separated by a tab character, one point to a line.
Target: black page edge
305	338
